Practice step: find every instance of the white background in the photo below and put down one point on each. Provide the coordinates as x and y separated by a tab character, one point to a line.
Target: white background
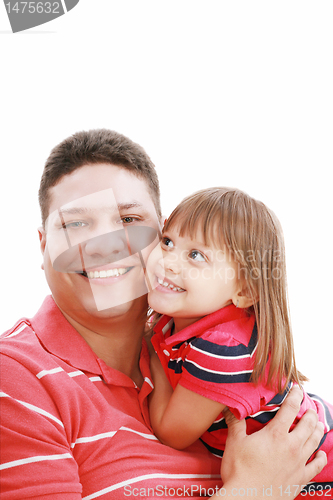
218	93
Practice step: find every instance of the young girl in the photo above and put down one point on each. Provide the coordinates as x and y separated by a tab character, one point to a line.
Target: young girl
224	339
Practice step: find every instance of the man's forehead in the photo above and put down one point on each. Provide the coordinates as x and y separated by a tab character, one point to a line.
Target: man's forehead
90	202
106	199
90	209
90	179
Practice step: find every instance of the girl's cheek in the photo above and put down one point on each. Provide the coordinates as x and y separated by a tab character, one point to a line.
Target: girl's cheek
154	257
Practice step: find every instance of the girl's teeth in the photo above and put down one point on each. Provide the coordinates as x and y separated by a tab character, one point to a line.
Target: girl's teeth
169	285
107	274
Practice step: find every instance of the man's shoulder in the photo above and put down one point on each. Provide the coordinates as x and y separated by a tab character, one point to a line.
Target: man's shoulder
20	343
20	333
26	333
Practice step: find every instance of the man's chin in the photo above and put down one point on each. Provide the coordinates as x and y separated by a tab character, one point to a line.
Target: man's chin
114	308
113	299
109	312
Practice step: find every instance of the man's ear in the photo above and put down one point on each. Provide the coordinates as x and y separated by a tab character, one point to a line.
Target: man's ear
243	298
42	241
162	221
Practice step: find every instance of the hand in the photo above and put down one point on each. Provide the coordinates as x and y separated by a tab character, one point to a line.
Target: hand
274	457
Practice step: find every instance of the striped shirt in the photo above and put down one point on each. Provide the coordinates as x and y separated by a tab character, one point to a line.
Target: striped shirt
73	428
215	357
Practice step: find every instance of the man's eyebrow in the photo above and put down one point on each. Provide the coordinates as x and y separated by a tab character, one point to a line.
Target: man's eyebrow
127	206
84	210
74	210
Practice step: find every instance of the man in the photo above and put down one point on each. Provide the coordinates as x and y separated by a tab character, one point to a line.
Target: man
75	378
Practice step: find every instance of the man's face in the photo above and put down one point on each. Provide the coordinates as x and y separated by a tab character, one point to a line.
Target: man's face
101	227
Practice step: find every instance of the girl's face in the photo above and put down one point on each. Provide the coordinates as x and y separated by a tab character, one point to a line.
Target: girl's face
190	280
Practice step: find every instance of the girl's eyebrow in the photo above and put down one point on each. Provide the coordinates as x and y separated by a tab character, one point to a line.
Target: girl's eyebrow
201	244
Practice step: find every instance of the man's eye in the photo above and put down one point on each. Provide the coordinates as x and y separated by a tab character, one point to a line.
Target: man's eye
167	242
129	220
74	225
197	256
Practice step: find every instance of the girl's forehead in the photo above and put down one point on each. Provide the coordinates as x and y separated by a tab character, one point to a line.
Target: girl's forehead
205	237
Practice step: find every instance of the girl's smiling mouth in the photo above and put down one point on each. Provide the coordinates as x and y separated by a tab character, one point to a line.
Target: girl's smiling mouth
169	285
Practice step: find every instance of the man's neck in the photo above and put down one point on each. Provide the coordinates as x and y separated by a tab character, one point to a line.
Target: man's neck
118	344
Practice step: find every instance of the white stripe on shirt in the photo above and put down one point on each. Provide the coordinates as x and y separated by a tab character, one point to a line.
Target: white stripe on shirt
105	435
231	358
149	476
49	372
167	326
327	427
16	332
30	460
34	408
215	371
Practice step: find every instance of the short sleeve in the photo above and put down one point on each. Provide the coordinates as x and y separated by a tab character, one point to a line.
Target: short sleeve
36	457
222	372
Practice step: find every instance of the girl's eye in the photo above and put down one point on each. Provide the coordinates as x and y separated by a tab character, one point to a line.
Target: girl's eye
74	225
167	242
197	256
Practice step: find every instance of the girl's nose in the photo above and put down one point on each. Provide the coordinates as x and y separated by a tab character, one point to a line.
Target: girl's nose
171	262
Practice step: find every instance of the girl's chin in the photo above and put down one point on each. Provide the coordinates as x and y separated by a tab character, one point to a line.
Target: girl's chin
159	308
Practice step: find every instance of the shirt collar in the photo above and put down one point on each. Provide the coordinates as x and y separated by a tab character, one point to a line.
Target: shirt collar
61	339
226	314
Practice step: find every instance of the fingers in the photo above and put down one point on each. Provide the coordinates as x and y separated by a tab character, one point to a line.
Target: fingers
307	436
308	432
313	468
288	411
315	431
235	427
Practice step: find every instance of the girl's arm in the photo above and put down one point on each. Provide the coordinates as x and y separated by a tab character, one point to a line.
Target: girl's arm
178	417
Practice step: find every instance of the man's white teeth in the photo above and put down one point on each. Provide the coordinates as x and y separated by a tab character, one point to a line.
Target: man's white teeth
169	285
107	273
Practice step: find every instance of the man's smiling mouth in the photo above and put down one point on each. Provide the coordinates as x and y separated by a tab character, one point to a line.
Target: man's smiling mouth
105	273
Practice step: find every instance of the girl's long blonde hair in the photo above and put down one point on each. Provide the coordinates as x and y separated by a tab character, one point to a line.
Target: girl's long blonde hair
253	236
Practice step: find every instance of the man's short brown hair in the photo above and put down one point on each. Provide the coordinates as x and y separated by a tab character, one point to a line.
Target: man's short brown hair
96	147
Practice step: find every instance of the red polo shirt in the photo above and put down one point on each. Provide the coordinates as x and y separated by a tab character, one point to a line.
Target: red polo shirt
72	427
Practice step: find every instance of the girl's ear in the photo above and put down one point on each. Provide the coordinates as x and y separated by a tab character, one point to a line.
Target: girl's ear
243	298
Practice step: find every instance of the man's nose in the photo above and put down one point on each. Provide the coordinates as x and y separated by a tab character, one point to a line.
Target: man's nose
113	243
